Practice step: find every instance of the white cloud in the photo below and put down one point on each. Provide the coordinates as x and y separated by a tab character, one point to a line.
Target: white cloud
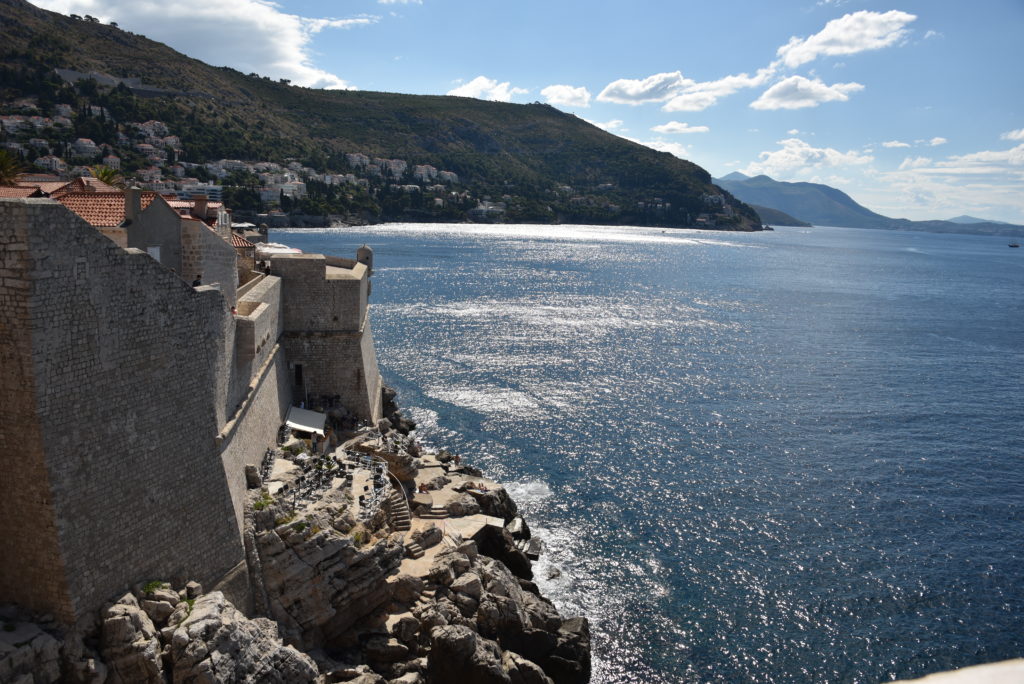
915	163
673	148
674	127
248	35
484	88
895	143
613	125
797	92
933	34
848	35
1013	157
1013	135
656	88
984	183
567	95
793	131
935	142
697	97
795	155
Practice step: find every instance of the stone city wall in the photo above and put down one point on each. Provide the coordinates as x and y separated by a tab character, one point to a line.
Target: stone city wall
204	252
255	426
327	335
125	357
336	364
319	296
32	571
159	226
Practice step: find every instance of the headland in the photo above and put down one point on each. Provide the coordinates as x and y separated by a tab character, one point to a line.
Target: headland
208	480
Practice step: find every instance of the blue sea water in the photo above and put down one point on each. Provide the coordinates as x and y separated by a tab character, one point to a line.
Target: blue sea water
791	456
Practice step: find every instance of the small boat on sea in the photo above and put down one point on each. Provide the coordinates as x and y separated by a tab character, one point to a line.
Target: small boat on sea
1014	244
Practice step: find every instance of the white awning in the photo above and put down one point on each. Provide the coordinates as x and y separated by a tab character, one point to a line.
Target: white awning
243	224
305	420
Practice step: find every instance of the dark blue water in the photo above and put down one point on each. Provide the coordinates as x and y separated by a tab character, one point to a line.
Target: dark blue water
780	457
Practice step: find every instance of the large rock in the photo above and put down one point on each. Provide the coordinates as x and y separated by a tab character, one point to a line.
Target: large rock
458	654
130	646
522	671
216	643
28	654
320	586
497	543
462	505
495	502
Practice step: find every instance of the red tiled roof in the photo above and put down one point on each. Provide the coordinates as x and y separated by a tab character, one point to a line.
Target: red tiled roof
239	241
101	209
46	187
7	191
37	177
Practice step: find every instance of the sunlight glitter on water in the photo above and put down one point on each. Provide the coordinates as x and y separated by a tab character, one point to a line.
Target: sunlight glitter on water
744	466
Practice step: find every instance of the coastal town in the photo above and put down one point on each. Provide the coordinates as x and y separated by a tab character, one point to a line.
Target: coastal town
153	157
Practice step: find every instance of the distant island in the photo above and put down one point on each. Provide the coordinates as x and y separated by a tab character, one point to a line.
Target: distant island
823	205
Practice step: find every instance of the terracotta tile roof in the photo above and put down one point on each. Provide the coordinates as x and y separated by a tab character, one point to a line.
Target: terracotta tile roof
7	191
239	241
37	177
46	187
101	209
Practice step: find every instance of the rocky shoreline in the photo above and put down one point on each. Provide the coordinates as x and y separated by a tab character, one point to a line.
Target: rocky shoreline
370	562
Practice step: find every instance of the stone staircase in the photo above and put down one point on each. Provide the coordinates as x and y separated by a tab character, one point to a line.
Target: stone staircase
425	597
398	512
414	550
435	513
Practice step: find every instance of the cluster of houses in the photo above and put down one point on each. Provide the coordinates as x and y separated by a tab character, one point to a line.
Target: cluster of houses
166	171
163	225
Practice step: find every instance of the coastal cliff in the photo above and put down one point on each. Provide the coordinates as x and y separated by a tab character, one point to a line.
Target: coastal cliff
343	588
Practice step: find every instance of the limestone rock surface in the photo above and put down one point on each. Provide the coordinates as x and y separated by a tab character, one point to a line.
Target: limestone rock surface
216	643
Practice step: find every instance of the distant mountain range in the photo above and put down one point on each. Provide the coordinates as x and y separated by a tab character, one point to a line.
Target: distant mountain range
823	205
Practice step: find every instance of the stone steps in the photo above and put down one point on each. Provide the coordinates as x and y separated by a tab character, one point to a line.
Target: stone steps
425	597
414	550
435	513
398	511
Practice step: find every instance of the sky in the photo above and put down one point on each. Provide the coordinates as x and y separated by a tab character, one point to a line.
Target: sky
915	108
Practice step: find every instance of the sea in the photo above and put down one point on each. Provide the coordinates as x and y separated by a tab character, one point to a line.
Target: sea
789	456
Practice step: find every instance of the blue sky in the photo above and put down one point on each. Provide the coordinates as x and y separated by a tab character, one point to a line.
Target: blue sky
914	108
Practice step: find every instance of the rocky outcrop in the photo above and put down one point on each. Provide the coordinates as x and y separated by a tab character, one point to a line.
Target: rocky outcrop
27	653
320	583
216	643
393	414
495	502
484	624
130	644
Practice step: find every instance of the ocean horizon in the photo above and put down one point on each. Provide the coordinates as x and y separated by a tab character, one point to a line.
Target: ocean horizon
785	456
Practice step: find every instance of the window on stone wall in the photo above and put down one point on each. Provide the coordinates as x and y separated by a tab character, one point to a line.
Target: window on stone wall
298	375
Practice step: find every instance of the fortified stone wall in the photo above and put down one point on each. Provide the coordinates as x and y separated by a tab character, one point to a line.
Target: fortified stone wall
32	572
125	358
261	361
254	428
327	335
159	226
204	252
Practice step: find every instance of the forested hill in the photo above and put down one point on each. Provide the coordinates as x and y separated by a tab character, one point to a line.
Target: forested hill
544	164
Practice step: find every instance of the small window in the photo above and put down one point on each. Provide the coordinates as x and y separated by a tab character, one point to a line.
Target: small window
298	375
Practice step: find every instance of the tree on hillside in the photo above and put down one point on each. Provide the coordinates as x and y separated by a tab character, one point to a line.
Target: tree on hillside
10	167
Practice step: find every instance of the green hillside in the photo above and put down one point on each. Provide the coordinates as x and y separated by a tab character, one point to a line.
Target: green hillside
545	165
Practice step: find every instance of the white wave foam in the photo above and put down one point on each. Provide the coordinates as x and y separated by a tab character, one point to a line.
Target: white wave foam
530	492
